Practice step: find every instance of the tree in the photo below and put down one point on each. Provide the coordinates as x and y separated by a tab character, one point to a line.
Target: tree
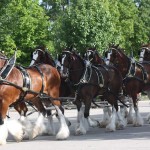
23	25
128	14
142	25
83	23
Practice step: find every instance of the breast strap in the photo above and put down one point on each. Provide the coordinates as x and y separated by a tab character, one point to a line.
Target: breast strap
26	77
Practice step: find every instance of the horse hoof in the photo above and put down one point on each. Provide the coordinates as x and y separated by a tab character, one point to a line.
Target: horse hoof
120	127
79	132
137	125
69	123
98	124
110	129
102	125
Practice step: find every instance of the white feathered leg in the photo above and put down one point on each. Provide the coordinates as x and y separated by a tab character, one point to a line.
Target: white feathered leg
39	127
148	116
121	121
63	132
82	123
106	117
27	127
15	128
50	126
138	120
112	124
130	117
3	133
92	122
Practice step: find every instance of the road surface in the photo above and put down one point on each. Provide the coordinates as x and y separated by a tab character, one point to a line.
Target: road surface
131	138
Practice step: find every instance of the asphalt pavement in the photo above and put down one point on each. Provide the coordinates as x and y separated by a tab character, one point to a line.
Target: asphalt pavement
131	138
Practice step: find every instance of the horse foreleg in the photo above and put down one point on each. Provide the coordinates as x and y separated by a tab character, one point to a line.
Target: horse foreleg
39	126
106	117
50	129
27	125
112	123
3	131
148	116
129	114
11	126
80	128
63	132
138	120
67	120
91	121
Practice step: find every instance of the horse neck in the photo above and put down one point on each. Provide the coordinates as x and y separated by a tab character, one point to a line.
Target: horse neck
46	59
49	60
98	60
124	65
77	70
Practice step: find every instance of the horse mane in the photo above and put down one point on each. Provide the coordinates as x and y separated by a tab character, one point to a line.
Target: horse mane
48	55
2	54
118	48
75	53
92	48
146	45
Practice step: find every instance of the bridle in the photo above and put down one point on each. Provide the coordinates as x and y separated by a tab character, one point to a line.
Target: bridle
142	53
69	69
131	62
36	50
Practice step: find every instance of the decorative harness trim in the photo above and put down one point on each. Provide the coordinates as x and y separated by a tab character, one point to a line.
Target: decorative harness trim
88	73
132	68
7	68
26	77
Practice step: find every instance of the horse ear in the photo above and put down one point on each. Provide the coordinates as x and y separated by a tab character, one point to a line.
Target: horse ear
31	55
117	45
71	48
105	54
73	57
138	52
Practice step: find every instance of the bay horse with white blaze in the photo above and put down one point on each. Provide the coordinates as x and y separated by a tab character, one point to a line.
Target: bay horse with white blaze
90	82
96	59
135	77
44	80
145	53
40	56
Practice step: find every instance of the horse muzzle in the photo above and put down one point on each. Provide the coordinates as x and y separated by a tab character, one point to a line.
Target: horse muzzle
64	73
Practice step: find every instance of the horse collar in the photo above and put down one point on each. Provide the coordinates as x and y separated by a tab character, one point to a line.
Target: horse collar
7	68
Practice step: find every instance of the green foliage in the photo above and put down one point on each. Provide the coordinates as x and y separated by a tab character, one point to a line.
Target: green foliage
56	24
124	14
23	25
142	25
84	24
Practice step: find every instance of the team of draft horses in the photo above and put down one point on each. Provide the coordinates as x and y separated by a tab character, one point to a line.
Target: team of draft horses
115	79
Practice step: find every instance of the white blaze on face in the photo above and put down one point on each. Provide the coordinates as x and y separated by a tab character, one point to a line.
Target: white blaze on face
142	55
62	62
108	58
34	57
89	53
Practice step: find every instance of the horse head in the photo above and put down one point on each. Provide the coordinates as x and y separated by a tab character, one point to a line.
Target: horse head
41	55
93	56
116	56
145	53
71	63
